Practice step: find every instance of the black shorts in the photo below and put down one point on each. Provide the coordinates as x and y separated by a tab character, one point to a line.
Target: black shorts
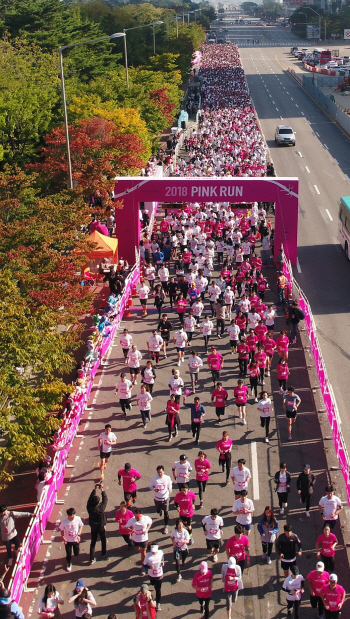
140	544
105	456
164	505
291	414
220	410
135	371
130	495
239	405
186	520
166	337
286	565
213	543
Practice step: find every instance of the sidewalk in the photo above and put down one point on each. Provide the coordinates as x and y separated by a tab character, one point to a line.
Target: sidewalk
115	580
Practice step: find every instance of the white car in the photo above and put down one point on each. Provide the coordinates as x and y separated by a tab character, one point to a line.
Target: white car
284	135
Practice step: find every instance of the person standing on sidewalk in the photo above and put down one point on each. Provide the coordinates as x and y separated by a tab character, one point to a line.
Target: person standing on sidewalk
71	528
197	416
105	443
316	580
330	507
305	485
154	562
288	546
282	480
224	447
9	533
138	526
291	403
212	527
130	478
268	529
295	315
162	486
96	508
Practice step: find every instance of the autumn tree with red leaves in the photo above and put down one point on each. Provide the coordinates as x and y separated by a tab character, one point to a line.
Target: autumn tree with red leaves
98	153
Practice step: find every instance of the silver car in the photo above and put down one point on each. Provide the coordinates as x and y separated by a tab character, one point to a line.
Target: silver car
284	135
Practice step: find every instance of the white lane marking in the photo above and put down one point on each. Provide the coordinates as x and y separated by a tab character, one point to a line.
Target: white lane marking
325	145
281	117
277	110
318	135
337	162
255	473
329	215
291	98
287	92
273	102
298	266
307	169
317	189
296	105
299	153
283	88
302	113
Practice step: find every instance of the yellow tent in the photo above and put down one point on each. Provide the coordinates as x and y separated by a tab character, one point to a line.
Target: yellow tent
106	247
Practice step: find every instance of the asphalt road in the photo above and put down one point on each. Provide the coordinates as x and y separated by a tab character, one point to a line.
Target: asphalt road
321	161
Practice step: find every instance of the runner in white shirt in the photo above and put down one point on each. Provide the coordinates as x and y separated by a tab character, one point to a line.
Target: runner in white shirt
154	561
123	387
175	385
190	324
212	527
125	341
229	297
162	486
246	248
71	528
329	506
194	363
134	357
180	538
181	471
214	292
144	400
163	274
180	341
233	331
197	309
206	329
154	344
243	508
139	526
105	443
143	292
150	274
253	319
240	476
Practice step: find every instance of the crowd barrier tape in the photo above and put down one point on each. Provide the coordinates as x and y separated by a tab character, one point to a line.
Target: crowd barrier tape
331	407
38	522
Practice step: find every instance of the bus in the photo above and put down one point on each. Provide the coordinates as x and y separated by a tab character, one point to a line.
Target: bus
325	55
344	225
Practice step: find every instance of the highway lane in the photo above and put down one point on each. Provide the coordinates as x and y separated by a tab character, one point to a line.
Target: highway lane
320	159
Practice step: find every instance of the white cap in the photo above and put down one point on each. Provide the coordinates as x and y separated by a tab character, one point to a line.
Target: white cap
154	548
333	577
320	566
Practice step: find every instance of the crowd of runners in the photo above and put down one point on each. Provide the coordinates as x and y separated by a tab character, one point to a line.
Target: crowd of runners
203	271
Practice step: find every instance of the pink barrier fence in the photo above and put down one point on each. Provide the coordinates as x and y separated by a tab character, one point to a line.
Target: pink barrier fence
36	529
326	388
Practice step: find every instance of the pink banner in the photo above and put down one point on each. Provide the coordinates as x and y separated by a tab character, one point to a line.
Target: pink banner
67	432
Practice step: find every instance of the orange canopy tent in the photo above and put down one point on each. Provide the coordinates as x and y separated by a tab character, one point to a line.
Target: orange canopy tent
106	247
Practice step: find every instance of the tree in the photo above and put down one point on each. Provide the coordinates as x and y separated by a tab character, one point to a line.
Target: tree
98	153
249	7
28	96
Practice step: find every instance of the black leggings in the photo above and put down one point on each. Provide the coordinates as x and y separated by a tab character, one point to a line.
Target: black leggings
283	383
254	385
196	429
265	422
180	556
262	374
243	366
201	488
282	498
316	602
204	604
306	498
227	463
69	547
95	532
267	548
296	604
328	563
157	584
206	341
181	316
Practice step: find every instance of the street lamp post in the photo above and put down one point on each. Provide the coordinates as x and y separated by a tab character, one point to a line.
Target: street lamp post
64	102
177	17
155	23
319	21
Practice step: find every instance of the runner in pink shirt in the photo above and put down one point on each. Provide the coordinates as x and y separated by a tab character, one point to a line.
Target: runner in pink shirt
333	597
243	356
269	346
224	447
316	581
184	502
237	546
282	374
203	583
220	396
282	343
240	393
202	467
328	542
260	357
123	516
260	331
215	362
129	476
